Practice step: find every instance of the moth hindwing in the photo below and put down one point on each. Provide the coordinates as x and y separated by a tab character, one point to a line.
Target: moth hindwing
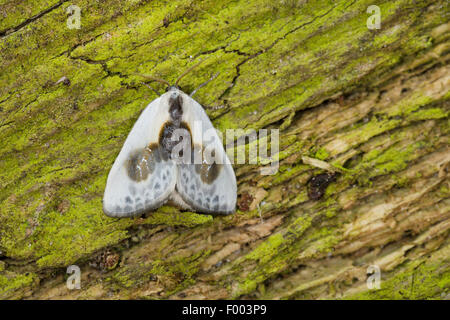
172	153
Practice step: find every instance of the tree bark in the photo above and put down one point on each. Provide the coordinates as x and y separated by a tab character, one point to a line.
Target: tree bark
362	184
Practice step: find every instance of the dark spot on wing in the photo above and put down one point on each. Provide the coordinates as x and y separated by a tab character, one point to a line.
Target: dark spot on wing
208	172
205	164
140	164
166	142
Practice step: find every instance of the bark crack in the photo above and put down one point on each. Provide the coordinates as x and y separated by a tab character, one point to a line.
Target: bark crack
103	64
256	54
10	30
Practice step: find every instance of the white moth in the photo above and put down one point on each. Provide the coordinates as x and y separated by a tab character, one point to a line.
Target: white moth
146	173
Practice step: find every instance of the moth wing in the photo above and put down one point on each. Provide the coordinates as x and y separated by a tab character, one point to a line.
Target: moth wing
141	178
206	188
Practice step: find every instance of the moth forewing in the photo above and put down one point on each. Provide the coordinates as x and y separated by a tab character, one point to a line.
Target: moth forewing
140	179
208	185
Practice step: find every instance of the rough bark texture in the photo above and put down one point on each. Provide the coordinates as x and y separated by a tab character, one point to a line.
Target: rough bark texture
372	105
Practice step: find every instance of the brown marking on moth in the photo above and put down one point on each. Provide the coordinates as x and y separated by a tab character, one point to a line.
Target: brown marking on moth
208	169
208	172
165	137
175	108
141	163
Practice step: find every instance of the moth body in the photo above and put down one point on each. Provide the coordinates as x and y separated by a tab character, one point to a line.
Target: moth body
172	153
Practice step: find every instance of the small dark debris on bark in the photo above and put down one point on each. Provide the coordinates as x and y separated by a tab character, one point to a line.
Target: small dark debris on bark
318	184
64	80
244	201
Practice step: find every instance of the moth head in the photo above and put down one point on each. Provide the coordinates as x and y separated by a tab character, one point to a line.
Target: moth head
172	88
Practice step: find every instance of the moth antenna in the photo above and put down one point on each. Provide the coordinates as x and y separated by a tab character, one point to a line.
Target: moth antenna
204	84
151	88
153	79
187	71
